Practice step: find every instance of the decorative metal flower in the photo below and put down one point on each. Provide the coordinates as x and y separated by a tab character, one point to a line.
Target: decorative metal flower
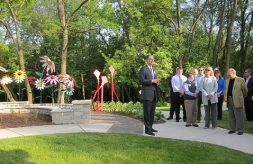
19	76
6	80
40	84
52	80
48	64
68	90
67	80
3	69
31	80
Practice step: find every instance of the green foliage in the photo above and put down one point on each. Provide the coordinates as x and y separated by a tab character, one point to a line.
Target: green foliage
131	109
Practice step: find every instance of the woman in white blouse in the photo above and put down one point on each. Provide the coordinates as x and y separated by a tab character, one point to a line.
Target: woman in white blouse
209	87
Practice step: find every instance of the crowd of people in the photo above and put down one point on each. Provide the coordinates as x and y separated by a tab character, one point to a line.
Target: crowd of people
200	86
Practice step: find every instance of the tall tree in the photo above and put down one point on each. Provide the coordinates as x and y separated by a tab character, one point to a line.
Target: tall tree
232	13
14	31
65	34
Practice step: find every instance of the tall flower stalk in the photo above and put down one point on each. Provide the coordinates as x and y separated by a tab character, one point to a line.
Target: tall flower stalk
19	77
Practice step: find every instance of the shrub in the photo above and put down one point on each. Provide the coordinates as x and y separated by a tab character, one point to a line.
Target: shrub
134	110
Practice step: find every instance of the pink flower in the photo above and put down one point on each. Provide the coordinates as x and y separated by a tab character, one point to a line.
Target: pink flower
67	80
52	80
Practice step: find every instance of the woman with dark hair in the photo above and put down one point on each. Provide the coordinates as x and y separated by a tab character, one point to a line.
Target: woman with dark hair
220	92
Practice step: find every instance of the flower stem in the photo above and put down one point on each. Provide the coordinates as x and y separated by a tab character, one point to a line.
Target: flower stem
19	95
41	96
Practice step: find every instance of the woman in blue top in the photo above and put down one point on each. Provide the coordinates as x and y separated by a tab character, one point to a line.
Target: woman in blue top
221	89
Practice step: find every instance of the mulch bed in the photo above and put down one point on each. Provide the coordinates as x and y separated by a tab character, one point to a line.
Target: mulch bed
13	120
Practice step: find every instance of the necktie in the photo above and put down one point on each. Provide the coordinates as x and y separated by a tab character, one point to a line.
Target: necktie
152	72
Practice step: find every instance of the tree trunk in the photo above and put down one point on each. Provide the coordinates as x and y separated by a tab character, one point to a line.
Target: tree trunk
218	41
19	49
8	93
244	37
63	52
231	20
64	48
179	30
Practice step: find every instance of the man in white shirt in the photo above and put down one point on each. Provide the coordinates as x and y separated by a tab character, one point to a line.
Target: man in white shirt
177	82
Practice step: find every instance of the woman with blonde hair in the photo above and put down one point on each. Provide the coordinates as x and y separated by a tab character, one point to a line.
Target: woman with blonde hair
208	87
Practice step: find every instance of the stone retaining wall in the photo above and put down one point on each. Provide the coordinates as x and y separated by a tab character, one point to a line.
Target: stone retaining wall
77	112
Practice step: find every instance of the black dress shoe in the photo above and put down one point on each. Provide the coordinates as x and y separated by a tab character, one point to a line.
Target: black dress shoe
169	118
177	120
195	125
187	125
153	130
231	132
240	133
150	133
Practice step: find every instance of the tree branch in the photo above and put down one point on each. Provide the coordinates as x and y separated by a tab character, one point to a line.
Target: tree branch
73	13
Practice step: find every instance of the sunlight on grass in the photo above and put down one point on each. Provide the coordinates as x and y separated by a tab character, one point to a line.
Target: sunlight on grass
113	148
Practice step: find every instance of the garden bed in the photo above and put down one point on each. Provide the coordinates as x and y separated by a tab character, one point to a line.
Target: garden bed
13	120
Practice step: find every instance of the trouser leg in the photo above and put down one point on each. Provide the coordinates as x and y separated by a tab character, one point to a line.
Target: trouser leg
214	114
207	115
184	112
239	119
199	106
176	104
247	108
232	125
147	107
219	106
195	111
189	108
152	113
172	105
250	109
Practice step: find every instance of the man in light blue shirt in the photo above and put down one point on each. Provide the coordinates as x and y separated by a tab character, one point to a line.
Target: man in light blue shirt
198	79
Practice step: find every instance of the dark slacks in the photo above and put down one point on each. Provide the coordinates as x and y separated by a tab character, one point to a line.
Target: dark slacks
219	106
248	109
149	113
199	106
172	105
177	100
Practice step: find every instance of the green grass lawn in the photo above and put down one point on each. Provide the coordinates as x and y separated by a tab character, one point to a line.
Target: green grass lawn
113	148
224	123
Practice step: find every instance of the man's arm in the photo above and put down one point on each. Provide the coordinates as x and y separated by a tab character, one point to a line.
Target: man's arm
244	88
142	79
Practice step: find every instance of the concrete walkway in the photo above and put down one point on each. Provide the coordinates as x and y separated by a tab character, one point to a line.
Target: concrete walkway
110	123
217	136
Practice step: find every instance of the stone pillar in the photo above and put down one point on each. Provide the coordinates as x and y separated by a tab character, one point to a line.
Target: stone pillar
82	112
62	116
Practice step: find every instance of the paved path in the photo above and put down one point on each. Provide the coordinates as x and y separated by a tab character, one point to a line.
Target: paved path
217	136
105	123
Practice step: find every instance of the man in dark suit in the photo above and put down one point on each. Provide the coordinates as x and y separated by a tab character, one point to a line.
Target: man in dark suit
149	81
248	100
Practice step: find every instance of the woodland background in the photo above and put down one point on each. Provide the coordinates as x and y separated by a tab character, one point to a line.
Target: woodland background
83	35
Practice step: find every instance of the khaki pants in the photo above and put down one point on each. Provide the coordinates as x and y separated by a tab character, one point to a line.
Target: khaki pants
191	108
236	120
